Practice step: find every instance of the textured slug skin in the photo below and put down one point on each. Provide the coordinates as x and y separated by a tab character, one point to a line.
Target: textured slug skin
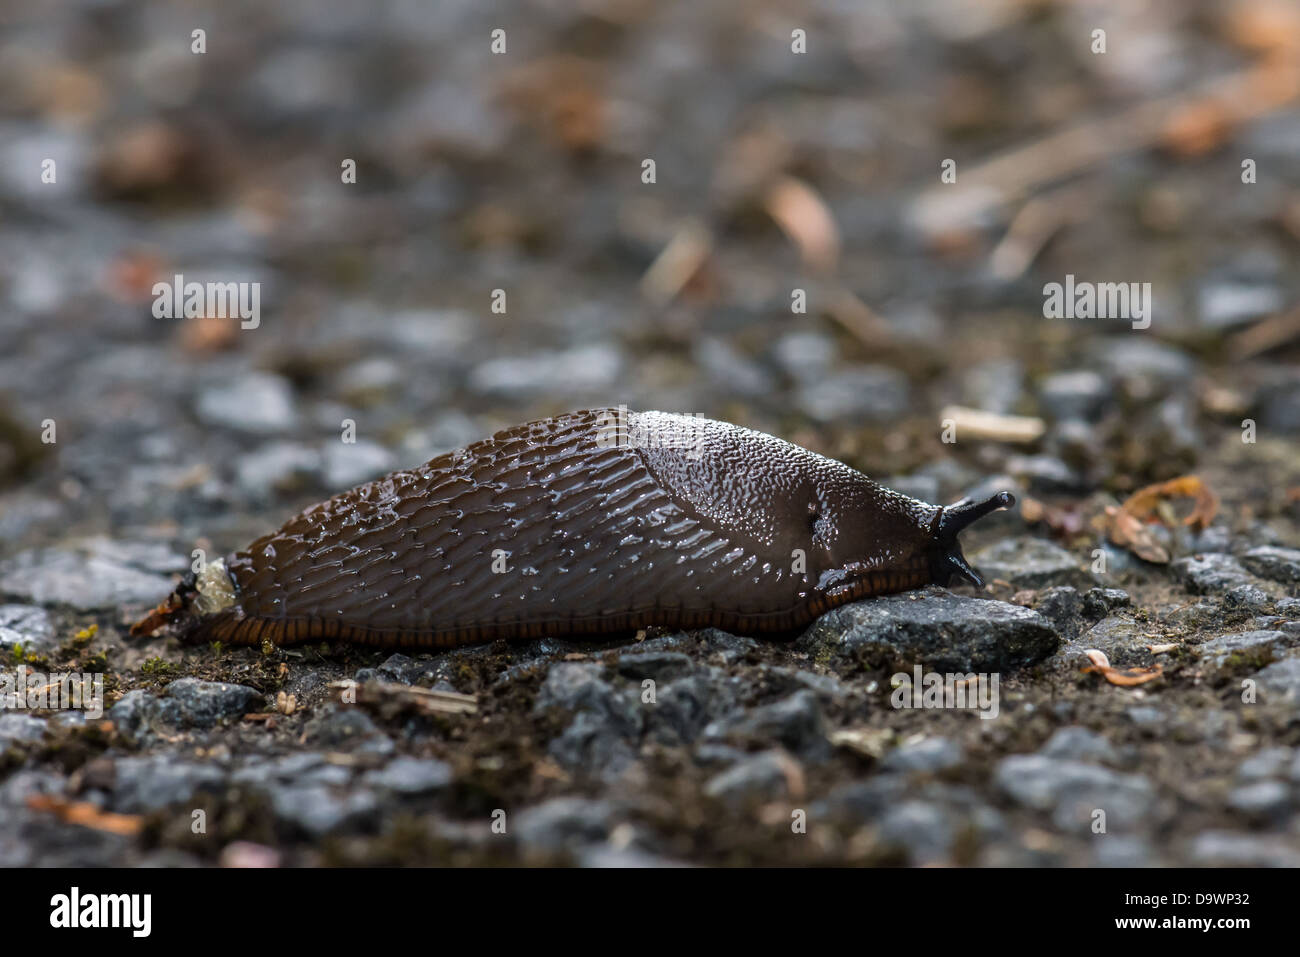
598	530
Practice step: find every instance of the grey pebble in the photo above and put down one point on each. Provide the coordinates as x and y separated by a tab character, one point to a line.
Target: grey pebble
205	703
411	776
762	776
1072	790
29	626
1029	562
1077	743
937	629
928	755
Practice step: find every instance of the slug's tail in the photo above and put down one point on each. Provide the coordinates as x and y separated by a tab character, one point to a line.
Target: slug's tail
946	559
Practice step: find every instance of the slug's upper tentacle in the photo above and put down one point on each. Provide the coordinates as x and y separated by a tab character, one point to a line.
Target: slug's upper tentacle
947	560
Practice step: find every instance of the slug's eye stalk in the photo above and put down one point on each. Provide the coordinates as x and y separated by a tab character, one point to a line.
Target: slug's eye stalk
946	559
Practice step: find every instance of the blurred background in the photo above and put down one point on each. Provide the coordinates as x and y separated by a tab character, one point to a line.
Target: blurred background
775	171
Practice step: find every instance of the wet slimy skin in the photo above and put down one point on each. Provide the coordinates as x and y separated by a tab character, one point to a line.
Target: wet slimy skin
597	522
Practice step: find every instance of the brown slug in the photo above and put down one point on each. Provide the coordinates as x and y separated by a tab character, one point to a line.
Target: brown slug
591	523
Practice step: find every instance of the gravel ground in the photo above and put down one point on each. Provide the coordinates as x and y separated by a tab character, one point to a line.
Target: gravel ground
522	173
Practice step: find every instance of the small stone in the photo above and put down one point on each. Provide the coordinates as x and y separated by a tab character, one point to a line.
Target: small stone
138	715
266	773
347	464
578	686
1227	304
1046	474
1269	763
1081	395
827	686
1073	790
1213	538
659	666
937	629
925	830
1063	607
1261	799
318	810
605	721
564	824
1279	407
1146	717
1275	564
20	727
994	385
29	626
255	402
1100	602
1256	645
347	729
928	755
80	581
276	468
1281	680
404	669
1246	597
205	703
1078	744
730	371
584	369
604	856
1029	562
152	782
684	707
1232	849
795	722
412	776
764	776
1209	573
804	356
868	393
1145	365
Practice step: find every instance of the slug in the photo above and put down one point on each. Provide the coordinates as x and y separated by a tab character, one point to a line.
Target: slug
598	522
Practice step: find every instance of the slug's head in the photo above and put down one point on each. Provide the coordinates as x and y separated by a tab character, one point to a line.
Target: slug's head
946	559
196	597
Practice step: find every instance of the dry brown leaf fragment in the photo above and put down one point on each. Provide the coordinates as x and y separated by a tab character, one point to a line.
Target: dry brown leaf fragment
85	814
1143	503
1198	128
1127	525
680	261
1126	677
804	217
1129	532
